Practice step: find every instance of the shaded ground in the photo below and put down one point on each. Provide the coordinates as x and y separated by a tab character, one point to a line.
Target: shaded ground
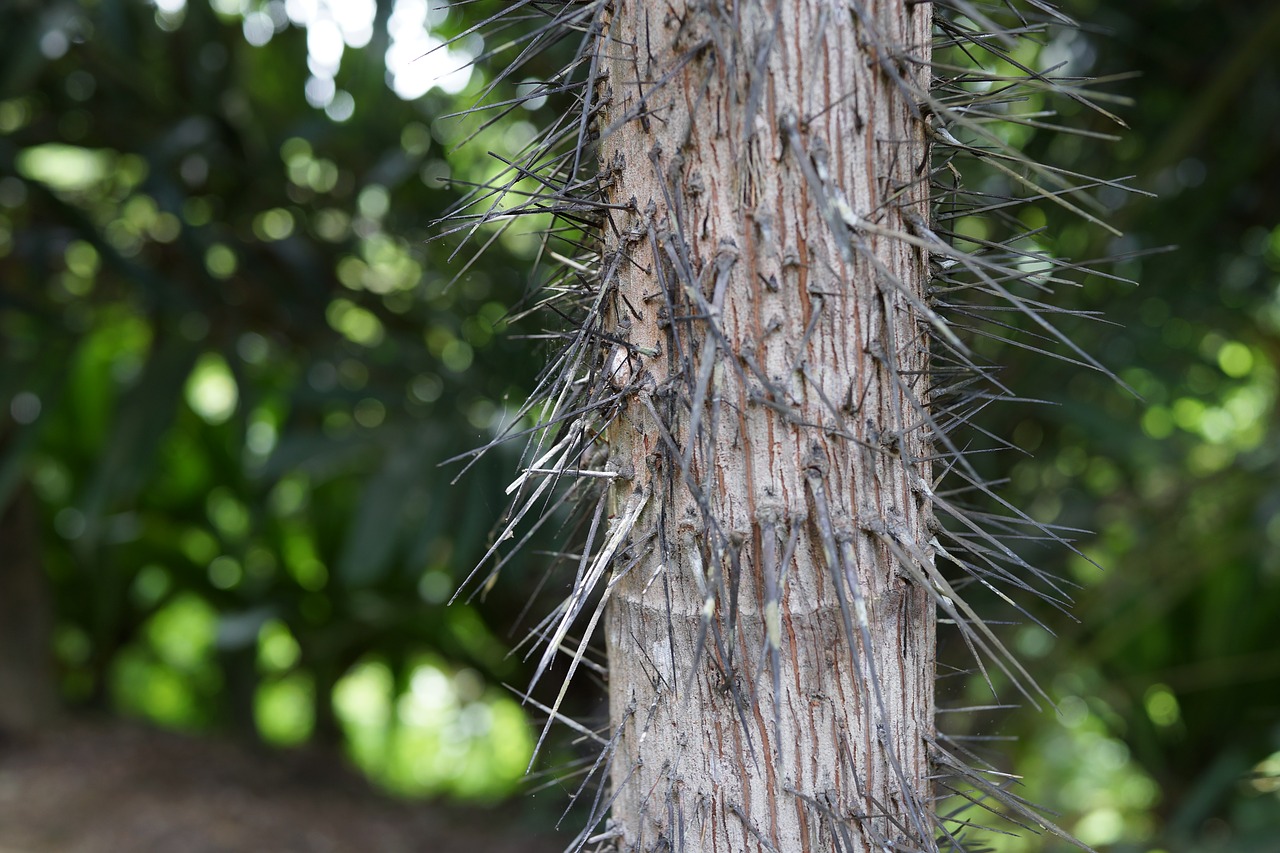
112	787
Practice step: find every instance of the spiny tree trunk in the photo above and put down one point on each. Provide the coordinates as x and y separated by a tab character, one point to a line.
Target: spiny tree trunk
770	668
746	216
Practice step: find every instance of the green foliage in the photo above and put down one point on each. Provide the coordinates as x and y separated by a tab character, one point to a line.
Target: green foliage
233	365
1175	652
444	732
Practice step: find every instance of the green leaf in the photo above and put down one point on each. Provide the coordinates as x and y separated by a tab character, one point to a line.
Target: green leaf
376	532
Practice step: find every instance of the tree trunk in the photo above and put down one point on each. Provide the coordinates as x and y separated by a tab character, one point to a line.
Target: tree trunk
28	683
771	669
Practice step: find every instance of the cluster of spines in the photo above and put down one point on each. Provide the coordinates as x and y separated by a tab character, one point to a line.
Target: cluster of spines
1000	289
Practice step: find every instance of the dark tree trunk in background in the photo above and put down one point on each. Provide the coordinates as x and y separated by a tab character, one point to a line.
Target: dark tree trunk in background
28	685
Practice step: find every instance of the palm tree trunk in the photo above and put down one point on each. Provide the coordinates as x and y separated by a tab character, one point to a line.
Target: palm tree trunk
771	668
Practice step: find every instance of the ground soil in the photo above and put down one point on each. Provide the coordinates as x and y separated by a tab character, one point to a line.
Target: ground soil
112	787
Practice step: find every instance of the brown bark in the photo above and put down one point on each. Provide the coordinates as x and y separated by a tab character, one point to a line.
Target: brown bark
780	367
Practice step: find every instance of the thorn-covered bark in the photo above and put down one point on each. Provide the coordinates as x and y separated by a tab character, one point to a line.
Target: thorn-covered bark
769	703
766	406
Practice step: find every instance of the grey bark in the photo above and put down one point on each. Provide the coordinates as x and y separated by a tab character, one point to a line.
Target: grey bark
771	669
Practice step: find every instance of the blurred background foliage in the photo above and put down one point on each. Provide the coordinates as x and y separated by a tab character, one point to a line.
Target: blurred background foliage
233	363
